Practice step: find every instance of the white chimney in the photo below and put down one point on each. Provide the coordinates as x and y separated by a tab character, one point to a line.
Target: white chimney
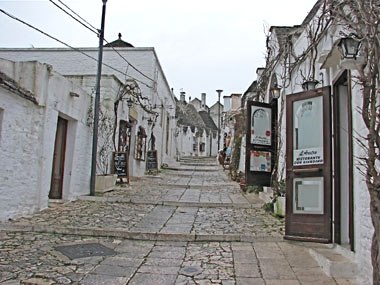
183	97
259	72
227	103
203	100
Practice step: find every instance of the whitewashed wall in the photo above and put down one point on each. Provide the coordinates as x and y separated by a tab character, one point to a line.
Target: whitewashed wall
363	228
72	63
28	136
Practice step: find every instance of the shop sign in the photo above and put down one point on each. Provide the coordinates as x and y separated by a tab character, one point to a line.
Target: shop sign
308	156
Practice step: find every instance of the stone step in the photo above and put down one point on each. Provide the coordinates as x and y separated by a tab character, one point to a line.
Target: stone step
235	203
140	235
333	263
197	164
193	169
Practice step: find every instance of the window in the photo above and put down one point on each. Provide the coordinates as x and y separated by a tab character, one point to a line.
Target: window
195	144
124	136
202	147
140	144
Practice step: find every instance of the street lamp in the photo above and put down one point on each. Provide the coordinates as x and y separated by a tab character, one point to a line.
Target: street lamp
349	47
219	92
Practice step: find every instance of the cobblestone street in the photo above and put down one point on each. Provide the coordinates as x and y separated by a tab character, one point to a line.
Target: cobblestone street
189	225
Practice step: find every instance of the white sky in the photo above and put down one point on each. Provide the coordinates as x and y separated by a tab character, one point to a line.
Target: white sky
203	45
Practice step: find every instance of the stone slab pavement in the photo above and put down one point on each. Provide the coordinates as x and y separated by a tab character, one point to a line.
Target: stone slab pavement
33	258
181	227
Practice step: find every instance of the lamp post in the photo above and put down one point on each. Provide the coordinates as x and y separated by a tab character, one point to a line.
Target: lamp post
219	92
97	99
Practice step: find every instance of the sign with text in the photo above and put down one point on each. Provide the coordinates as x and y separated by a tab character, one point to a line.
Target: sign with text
261	143
261	125
120	163
152	160
308	156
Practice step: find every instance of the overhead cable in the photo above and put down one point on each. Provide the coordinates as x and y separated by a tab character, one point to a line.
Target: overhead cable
110	44
78	15
73	48
95	31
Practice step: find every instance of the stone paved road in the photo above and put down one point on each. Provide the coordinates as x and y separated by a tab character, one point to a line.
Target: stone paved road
185	227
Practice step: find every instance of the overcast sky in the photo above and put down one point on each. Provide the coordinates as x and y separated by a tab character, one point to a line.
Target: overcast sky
203	45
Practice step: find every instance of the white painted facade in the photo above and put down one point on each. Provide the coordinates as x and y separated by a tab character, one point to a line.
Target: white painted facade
153	85
27	137
328	68
189	141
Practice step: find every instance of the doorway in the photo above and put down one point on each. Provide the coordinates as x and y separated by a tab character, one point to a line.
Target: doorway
56	185
343	162
308	166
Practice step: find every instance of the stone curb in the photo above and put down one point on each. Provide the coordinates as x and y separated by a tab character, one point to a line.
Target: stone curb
170	203
146	236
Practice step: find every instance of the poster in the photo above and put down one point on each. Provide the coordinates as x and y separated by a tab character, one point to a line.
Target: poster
261	125
260	161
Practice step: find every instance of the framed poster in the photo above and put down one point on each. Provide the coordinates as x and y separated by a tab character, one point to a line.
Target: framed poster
260	161
261	125
308	131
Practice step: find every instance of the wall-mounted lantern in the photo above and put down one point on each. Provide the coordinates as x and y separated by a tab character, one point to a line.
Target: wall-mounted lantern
349	47
275	92
309	84
150	121
130	102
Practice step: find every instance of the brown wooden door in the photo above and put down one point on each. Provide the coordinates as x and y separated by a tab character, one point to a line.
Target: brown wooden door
308	166
58	160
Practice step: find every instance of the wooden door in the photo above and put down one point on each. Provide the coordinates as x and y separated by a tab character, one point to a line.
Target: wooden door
308	166
58	160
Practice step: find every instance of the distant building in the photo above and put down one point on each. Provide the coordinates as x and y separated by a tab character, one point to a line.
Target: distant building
197	131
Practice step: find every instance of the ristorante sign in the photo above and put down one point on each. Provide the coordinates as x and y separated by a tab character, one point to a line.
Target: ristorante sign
308	156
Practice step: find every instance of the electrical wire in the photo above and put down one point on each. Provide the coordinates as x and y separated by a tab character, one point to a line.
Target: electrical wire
73	48
128	61
97	33
87	27
78	15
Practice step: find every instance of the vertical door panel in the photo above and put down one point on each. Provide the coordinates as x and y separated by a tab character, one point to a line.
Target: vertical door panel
308	166
58	160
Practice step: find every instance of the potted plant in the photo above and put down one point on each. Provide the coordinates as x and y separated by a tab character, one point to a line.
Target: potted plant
243	183
279	191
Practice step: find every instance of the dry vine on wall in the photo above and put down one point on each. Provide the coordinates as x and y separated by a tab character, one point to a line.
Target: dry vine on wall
360	20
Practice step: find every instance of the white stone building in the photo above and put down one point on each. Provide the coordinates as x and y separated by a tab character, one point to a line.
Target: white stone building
44	138
197	134
121	63
327	199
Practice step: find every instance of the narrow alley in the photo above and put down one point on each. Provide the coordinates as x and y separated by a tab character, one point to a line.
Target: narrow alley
188	225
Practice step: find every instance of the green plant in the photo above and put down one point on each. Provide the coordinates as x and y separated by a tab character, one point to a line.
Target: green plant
268	207
254	188
279	189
